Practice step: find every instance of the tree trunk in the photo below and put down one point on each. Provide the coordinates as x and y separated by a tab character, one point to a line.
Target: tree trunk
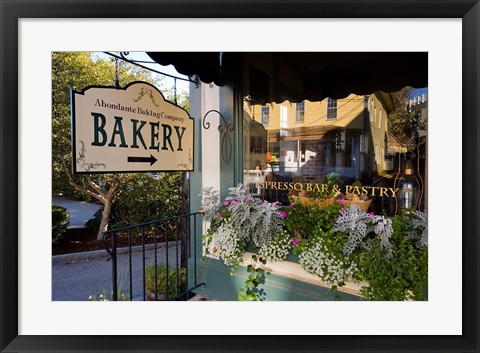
107	206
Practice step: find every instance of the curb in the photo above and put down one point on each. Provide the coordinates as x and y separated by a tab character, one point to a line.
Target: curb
98	254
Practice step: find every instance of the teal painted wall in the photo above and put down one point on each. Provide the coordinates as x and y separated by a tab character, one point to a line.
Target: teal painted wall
195	184
231	174
220	285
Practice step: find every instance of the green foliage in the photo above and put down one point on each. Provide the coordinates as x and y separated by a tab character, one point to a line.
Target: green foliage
401	274
183	98
174	288
256	276
94	222
60	221
147	197
404	123
143	198
401	277
303	221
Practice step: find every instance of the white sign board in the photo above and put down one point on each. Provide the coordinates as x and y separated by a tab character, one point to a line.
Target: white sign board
131	129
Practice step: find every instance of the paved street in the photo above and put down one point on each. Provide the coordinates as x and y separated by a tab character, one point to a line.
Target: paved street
78	280
80	211
82	276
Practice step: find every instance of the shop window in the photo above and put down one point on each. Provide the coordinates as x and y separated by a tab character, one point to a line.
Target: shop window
349	148
331	108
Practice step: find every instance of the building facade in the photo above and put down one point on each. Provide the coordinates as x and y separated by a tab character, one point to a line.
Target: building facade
278	120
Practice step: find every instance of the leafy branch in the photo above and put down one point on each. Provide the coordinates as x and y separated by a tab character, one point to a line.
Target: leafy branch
256	276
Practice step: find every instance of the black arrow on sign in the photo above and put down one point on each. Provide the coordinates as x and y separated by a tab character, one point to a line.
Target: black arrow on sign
150	159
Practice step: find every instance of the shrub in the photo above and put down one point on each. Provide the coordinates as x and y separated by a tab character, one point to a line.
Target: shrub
60	221
303	220
94	222
162	275
404	275
147	197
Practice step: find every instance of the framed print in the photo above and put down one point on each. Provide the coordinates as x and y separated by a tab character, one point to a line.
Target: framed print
445	34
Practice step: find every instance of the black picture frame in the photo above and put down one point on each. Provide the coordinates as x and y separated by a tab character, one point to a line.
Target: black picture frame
11	11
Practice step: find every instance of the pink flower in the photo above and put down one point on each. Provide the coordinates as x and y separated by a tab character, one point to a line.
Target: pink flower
248	199
372	214
226	203
340	201
278	203
295	232
343	209
283	214
292	204
296	241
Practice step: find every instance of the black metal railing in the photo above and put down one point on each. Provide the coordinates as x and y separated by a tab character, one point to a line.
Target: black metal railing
157	236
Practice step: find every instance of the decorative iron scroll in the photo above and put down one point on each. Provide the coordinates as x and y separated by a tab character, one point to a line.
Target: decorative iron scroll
225	129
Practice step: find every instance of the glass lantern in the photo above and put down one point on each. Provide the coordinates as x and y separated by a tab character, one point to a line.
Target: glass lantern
409	187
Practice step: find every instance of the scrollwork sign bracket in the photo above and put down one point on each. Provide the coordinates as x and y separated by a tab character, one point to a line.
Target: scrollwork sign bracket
226	145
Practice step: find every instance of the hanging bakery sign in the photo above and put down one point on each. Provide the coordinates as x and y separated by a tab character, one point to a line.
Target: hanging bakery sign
131	129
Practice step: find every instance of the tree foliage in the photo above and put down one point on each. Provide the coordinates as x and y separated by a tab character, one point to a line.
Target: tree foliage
76	71
147	197
60	221
405	123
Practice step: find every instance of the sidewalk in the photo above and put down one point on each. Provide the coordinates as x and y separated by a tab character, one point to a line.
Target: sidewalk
80	211
76	280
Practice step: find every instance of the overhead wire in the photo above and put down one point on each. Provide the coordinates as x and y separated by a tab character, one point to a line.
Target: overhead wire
135	62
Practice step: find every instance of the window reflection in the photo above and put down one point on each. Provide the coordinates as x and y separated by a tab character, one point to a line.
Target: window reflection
361	140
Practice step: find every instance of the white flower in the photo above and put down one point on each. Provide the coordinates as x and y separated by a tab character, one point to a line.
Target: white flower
277	248
249	220
318	260
417	228
358	225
